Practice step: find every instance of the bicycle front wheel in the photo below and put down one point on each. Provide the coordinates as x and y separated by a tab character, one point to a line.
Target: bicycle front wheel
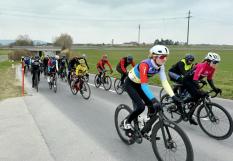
85	90
107	83
170	143
36	81
217	122
55	85
117	86
170	110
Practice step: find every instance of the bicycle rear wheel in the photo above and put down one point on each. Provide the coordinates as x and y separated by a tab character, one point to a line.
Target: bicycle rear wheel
117	86
217	123
107	83
170	110
170	143
122	112
85	90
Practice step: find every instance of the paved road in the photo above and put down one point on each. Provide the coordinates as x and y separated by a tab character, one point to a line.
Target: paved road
78	129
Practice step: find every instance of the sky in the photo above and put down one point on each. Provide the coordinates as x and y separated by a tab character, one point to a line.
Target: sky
100	21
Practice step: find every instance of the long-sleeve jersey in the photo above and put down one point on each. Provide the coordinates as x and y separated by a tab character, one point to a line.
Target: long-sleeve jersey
101	64
123	64
147	68
81	69
181	67
50	64
203	70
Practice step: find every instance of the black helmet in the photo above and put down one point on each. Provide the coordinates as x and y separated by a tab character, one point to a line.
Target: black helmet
189	57
37	57
129	58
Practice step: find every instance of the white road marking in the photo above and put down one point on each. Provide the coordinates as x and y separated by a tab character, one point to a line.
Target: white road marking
102	88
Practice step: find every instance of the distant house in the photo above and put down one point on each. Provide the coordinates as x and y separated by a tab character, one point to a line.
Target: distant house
132	43
40	50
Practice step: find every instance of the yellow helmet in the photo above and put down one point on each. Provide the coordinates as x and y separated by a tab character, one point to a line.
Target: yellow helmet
81	61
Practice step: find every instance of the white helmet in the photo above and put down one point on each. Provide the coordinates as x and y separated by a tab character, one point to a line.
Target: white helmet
57	57
213	57
159	50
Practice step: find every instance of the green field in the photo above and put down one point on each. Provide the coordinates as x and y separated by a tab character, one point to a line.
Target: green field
4	52
223	77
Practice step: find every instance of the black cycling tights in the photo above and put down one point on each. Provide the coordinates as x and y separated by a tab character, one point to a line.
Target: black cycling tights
139	99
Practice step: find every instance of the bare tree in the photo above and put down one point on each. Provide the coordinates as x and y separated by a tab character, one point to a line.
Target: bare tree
23	40
64	40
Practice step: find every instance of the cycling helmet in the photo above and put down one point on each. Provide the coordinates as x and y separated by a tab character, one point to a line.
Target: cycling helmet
57	57
213	57
104	56
129	58
159	50
84	55
37	57
81	61
189	57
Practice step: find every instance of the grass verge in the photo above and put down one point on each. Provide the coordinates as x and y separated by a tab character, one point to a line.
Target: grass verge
9	86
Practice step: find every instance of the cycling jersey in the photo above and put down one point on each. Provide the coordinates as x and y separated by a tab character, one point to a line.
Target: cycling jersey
147	68
81	69
181	67
123	64
101	64
203	70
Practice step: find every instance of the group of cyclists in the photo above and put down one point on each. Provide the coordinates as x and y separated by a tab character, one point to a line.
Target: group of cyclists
135	81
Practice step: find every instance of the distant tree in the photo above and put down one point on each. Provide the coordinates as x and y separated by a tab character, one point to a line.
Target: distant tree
23	40
165	42
65	41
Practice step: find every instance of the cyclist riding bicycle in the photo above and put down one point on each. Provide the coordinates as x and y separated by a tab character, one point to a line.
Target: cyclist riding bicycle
122	67
136	84
52	67
81	70
45	63
201	70
178	70
101	66
35	69
62	64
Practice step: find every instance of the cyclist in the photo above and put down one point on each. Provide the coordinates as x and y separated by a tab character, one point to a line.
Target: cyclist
45	64
205	69
52	66
63	63
136	85
122	67
71	66
178	70
100	66
35	69
26	62
81	70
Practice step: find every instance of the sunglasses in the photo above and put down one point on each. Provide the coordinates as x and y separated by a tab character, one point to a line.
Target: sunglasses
215	62
162	57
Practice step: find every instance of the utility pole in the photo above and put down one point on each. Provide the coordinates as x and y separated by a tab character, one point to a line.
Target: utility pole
112	42
188	27
139	32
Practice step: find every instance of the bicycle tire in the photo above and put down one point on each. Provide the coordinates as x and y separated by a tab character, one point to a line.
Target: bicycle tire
120	107
164	126
229	131
87	87
169	109
97	85
108	81
117	86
